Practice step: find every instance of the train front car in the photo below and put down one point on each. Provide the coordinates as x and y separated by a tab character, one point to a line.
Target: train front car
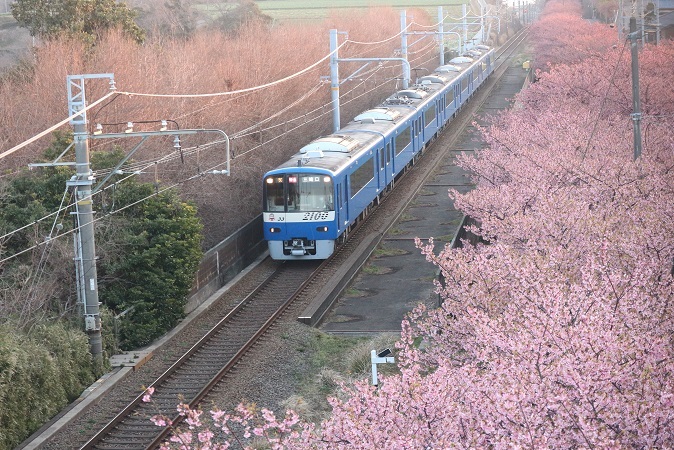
299	213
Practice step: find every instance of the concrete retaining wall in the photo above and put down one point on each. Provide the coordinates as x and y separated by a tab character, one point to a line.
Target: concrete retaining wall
224	261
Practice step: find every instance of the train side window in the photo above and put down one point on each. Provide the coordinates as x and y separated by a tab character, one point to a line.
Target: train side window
382	162
449	97
388	152
362	175
429	115
403	140
339	196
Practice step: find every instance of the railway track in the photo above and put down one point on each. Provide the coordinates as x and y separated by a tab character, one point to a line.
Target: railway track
205	364
191	377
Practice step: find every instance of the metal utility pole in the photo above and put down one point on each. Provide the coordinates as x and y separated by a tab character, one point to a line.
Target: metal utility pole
441	33
334	70
82	182
464	13
636	102
85	247
334	77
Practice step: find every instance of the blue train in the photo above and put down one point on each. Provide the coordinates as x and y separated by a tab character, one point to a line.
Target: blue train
313	200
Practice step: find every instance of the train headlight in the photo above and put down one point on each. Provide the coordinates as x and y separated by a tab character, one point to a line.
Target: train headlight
274	230
322	229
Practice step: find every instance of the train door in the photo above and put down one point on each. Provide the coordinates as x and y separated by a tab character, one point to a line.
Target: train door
418	135
346	218
441	112
450	105
342	204
339	203
464	87
389	163
431	121
381	158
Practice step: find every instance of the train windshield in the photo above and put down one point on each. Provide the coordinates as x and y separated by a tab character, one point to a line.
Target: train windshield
299	193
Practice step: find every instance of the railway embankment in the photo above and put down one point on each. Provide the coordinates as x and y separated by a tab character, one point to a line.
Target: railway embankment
396	277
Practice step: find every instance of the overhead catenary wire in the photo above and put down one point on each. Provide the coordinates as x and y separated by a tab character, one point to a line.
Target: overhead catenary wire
40	269
157	192
379	42
239	91
139	166
214	94
603	100
54	127
149	164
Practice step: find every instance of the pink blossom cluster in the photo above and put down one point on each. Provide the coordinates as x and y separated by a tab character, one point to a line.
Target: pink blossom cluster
222	431
558	330
561	37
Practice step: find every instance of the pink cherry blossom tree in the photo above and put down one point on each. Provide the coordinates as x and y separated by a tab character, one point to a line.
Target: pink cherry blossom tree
558	331
560	36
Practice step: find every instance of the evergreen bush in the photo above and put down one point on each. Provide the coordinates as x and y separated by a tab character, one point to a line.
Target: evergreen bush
40	373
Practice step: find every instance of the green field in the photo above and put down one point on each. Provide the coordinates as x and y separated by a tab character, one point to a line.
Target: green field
292	10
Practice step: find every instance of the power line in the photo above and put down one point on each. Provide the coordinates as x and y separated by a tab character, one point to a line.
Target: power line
603	100
172	156
240	91
54	127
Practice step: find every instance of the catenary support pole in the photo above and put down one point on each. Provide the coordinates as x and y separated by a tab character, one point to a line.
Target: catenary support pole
636	102
464	13
334	83
82	181
403	36
441	35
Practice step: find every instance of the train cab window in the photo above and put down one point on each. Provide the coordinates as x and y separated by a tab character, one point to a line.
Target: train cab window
274	199
298	193
388	152
382	160
309	192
